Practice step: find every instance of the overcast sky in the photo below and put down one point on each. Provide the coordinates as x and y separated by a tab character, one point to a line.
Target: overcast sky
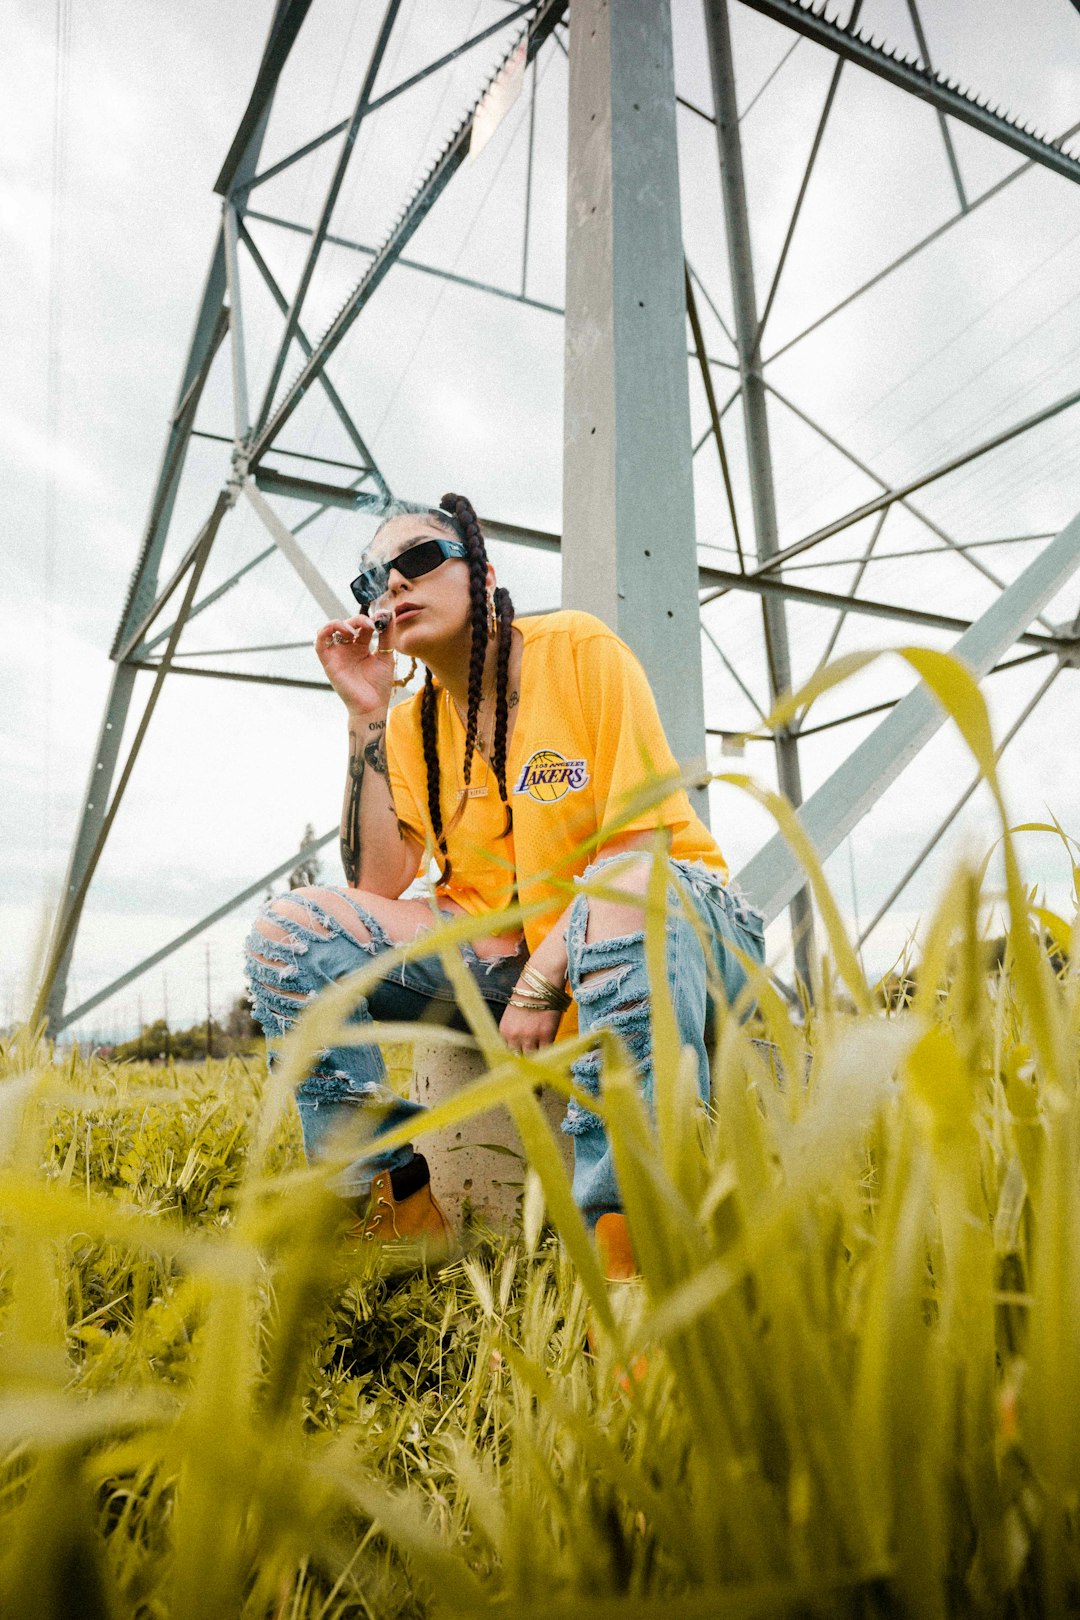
108	153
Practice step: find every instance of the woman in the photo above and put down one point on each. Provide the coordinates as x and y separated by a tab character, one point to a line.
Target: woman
527	740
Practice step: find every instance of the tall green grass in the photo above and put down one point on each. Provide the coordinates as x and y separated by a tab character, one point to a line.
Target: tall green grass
859	1320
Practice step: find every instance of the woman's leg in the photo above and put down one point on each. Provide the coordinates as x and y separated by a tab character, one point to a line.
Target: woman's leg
606	964
303	941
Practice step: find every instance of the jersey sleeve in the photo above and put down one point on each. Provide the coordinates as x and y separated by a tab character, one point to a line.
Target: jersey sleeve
629	747
405	764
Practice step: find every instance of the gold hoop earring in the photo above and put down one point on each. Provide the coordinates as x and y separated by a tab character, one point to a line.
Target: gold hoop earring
493	618
400	681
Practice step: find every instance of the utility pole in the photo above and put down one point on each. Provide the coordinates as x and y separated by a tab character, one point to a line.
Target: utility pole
629	549
758	449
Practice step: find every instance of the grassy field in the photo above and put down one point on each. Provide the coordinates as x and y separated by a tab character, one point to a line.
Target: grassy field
855	1343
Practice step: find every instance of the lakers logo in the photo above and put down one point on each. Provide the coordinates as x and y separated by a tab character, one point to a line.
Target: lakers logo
548	776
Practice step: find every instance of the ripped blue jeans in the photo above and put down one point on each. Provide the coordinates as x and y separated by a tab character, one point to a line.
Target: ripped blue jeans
284	974
610	984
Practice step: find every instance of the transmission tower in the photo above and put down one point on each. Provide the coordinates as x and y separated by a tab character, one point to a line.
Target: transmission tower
637	310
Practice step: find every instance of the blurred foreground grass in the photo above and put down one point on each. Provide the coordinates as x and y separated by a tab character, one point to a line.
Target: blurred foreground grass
860	1315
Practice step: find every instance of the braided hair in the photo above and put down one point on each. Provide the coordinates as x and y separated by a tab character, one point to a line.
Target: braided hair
456	514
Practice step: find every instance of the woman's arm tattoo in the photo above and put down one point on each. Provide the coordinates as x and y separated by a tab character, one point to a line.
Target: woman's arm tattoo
375	754
350	834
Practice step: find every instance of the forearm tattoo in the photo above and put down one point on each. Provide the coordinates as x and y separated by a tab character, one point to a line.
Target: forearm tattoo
375	755
350	828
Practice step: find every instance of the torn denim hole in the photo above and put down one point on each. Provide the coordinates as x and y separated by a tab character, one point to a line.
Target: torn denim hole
615	995
334	1085
578	1119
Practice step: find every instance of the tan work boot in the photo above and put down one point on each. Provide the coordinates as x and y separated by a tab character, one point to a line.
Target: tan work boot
612	1235
615	1248
405	1213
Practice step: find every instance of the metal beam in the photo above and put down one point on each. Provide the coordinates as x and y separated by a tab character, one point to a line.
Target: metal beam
111	989
293	455
860	571
908	505
891	496
627	435
755	415
710	577
924	52
911	252
815	147
330	202
324	495
430	189
236	675
243	154
230	230
96	822
916	551
912	76
235	652
211	324
729	580
390	95
416	264
774	873
943	826
527	211
329	602
340	410
714	414
163	598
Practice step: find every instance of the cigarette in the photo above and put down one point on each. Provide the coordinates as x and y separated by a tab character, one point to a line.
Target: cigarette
381	622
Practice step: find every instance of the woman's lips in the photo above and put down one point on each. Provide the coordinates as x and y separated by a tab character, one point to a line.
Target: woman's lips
405	613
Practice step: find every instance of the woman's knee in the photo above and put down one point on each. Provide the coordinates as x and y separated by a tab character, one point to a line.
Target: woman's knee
622	912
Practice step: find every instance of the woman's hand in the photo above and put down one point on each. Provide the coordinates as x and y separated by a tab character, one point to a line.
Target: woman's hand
362	679
525	1031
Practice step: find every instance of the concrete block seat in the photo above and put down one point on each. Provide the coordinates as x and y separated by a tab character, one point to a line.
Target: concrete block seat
478	1165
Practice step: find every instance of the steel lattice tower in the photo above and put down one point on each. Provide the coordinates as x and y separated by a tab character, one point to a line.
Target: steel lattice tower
636	308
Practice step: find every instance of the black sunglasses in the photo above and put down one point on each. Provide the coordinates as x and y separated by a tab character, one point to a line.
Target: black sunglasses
372	582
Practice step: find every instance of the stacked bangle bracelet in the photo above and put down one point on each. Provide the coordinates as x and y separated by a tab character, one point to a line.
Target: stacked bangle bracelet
534	993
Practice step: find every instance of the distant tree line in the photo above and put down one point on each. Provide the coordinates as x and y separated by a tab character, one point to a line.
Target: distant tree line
156	1042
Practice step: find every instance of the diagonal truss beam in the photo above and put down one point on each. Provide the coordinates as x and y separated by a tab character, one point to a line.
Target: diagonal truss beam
812	21
950	152
729	580
390	95
774	873
714	413
943	826
244	676
804	184
902	491
336	401
310	489
431	188
87	1006
325	595
243	153
887	489
50	991
915	249
330	202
